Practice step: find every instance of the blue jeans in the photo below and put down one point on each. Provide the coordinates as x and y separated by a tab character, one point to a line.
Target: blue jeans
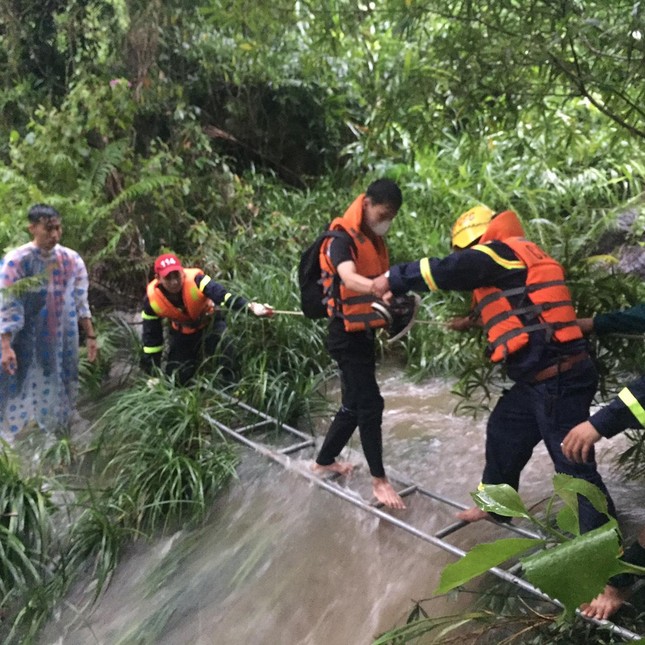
530	412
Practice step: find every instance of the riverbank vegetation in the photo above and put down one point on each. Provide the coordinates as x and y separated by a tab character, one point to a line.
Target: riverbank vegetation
231	133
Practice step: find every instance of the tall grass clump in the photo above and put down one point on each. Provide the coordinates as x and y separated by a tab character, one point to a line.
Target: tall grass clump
158	457
283	360
25	531
25	509
96	540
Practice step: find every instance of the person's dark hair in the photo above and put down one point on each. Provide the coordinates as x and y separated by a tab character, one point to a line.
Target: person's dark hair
385	191
40	211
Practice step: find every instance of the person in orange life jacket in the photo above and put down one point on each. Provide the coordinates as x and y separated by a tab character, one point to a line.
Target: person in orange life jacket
347	282
190	300
627	410
525	308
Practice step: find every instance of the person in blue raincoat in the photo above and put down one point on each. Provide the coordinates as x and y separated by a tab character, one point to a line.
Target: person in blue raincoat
43	301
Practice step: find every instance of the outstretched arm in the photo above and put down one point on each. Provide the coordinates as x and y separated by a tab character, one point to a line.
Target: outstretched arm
625	321
627	410
354	280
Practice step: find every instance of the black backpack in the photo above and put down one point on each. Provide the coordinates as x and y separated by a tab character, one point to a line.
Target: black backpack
309	278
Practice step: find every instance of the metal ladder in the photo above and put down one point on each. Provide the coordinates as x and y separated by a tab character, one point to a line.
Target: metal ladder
260	421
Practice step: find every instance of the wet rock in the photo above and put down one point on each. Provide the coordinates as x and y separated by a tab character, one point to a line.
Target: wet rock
625	240
631	259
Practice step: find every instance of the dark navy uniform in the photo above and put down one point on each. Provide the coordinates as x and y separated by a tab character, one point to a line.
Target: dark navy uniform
552	391
627	410
187	350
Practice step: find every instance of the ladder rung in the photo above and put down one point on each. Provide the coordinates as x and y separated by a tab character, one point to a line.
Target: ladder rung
253	426
450	529
408	491
297	446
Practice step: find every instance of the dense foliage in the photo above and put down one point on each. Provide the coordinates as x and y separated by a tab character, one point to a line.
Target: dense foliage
231	132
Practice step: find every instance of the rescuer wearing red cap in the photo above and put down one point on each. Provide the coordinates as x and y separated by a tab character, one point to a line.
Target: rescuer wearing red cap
524	305
192	302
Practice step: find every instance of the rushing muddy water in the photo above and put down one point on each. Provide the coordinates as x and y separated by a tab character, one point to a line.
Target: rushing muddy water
283	562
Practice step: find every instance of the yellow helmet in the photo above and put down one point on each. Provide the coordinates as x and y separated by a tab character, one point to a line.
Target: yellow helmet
470	226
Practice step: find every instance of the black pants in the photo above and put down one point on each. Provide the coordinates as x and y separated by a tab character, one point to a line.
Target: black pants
532	412
187	351
362	403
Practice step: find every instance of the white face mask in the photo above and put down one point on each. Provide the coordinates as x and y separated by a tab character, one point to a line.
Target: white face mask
381	228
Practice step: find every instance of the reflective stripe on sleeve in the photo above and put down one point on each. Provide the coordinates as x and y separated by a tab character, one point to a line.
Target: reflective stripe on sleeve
153	350
227	297
426	274
498	259
633	405
203	282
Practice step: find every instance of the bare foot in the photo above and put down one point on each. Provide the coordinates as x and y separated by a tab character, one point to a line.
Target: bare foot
385	494
473	515
606	604
340	467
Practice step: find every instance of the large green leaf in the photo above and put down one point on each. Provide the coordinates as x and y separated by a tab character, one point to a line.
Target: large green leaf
568	488
501	499
576	571
481	558
567	520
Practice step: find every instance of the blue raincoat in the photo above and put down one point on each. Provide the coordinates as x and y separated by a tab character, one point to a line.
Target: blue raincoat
42	297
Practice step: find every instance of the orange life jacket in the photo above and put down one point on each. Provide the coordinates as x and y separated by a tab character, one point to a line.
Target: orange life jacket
503	225
198	308
371	260
546	298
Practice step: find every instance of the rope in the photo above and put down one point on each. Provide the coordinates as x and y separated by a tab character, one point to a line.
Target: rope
294	312
299	313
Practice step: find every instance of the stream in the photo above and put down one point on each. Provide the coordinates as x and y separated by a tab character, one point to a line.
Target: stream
282	561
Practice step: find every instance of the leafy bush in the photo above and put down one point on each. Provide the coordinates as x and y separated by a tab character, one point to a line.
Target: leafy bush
555	564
